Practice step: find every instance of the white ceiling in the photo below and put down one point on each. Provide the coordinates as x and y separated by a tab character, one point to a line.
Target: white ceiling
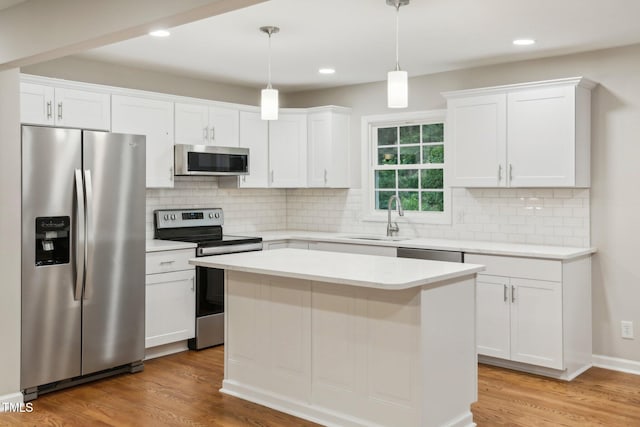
357	38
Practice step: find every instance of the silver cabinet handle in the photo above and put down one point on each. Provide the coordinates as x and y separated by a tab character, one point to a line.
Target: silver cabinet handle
504	293
272	176
325	176
499	173
171	173
49	110
167	262
59	110
513	293
510	172
193	284
213	133
244	178
88	188
205	134
80	224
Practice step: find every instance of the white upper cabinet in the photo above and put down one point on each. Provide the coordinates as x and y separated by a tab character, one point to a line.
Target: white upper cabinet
527	135
328	147
203	124
154	119
48	105
288	150
254	135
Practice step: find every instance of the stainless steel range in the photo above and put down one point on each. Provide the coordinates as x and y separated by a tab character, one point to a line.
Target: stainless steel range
204	227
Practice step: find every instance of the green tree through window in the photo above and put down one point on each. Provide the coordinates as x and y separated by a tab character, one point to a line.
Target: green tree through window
409	163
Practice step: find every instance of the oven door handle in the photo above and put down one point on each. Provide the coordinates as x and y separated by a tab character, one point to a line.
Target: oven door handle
229	249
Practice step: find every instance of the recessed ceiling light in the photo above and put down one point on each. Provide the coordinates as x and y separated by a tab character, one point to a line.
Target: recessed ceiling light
159	33
327	70
524	42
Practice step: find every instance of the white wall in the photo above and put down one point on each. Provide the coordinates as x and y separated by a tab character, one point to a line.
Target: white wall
10	236
615	153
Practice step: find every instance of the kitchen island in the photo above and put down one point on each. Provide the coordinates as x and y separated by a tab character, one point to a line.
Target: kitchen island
348	339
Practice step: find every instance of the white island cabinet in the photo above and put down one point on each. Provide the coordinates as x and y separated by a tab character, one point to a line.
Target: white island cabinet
350	339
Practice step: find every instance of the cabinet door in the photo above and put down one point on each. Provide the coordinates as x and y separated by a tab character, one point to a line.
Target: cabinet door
536	322
254	133
541	142
319	146
288	151
191	124
170	307
36	104
476	140
492	316
224	126
82	109
155	120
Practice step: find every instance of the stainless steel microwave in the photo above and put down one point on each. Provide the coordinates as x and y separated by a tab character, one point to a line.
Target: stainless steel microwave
210	160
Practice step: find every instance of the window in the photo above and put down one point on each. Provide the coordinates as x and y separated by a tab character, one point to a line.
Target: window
408	160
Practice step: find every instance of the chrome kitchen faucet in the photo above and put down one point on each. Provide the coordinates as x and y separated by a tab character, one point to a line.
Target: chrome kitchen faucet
393	228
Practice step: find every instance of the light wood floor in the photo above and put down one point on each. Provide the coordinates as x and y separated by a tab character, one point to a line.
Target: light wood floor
182	390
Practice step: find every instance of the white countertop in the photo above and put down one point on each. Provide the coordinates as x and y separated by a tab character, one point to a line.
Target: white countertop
155	245
349	269
470	246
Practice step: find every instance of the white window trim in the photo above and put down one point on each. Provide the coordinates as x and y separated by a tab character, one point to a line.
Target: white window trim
369	212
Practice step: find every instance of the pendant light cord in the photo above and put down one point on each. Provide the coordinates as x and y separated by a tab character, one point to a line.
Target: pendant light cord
269	67
397	35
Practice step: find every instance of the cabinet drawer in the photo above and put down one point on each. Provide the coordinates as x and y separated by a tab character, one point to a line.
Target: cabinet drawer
528	268
164	261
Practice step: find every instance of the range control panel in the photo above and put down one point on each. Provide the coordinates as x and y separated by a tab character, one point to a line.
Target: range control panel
178	218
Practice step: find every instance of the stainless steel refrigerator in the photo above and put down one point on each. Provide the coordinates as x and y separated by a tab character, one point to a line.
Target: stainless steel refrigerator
83	256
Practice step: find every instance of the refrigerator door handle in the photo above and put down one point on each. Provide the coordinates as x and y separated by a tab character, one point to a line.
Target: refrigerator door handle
90	237
80	244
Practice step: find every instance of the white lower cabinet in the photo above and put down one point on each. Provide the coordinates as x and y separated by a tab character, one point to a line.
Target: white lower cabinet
170	298
534	314
520	320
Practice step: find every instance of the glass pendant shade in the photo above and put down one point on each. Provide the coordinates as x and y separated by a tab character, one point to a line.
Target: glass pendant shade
397	89
269	104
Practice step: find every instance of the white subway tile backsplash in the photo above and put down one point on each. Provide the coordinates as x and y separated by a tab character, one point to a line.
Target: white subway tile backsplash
536	216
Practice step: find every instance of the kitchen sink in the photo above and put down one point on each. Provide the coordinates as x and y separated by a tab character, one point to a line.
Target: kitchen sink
373	237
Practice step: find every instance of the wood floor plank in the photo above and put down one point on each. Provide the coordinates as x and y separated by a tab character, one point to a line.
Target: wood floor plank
182	390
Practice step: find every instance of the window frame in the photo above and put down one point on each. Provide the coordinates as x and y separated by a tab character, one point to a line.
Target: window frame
370	156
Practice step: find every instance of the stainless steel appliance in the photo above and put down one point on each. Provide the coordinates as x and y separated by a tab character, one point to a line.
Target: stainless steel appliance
83	256
431	254
210	160
204	227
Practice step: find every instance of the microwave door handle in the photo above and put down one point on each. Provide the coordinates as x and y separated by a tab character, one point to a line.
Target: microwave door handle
80	235
90	234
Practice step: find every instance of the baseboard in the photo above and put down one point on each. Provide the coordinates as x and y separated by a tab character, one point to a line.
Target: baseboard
563	375
616	364
165	350
8	399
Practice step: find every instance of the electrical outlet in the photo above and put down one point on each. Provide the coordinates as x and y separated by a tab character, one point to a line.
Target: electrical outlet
626	329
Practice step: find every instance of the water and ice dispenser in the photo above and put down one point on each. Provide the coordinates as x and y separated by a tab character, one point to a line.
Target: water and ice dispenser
53	234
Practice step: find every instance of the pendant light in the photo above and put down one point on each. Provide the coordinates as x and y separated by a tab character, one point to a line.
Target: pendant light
269	98
397	84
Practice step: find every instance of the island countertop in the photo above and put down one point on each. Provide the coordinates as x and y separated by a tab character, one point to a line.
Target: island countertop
348	269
